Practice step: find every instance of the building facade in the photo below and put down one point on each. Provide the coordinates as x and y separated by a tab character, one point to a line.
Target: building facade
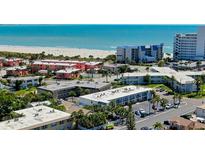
26	81
181	81
61	90
190	46
17	71
123	95
38	118
68	74
138	54
184	46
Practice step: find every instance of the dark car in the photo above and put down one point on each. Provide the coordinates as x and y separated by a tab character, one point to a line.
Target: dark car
166	122
145	128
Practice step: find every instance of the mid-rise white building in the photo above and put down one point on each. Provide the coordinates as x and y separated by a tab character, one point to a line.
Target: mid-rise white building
185	46
121	95
190	46
137	54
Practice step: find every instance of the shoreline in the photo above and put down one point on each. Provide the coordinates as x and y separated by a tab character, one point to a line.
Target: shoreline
58	51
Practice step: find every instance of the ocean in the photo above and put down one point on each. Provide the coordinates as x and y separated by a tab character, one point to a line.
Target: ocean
102	37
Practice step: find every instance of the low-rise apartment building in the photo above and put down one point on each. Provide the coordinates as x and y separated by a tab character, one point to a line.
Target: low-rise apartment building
138	54
17	71
61	90
55	65
11	62
121	95
38	118
180	81
114	68
26	81
70	73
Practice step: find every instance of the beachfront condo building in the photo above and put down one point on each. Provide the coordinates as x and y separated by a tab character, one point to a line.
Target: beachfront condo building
190	46
184	46
123	95
138	54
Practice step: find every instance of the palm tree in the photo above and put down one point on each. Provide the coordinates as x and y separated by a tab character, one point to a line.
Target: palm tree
106	74
75	118
198	64
40	80
174	98
147	68
72	94
158	125
163	102
198	82
147	79
155	101
18	84
180	98
172	82
130	119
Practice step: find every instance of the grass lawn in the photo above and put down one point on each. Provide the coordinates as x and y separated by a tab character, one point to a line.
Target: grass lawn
200	94
25	91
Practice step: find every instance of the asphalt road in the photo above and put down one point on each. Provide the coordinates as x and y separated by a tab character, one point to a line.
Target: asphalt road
187	106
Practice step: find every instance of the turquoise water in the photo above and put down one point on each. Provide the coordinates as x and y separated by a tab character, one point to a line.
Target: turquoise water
104	37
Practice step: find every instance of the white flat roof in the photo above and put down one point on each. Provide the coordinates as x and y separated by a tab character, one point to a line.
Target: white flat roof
181	77
16	68
106	96
24	78
40	103
71	70
57	64
34	117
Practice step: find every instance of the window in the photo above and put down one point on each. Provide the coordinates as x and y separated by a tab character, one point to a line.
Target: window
54	124
61	122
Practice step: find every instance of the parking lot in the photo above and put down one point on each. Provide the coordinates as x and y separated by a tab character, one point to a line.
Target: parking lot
187	106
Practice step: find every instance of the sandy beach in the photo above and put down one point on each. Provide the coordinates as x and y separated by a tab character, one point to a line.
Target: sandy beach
58	51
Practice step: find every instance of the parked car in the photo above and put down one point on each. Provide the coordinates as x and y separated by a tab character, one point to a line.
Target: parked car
176	106
201	120
145	128
143	113
161	109
166	122
137	113
169	106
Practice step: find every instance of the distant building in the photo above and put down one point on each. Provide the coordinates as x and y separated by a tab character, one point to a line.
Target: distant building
190	46
26	81
114	68
17	71
12	62
56	65
61	89
184	81
70	73
38	118
137	54
121	95
185	46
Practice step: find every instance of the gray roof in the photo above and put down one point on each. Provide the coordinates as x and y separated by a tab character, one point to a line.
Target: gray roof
75	83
